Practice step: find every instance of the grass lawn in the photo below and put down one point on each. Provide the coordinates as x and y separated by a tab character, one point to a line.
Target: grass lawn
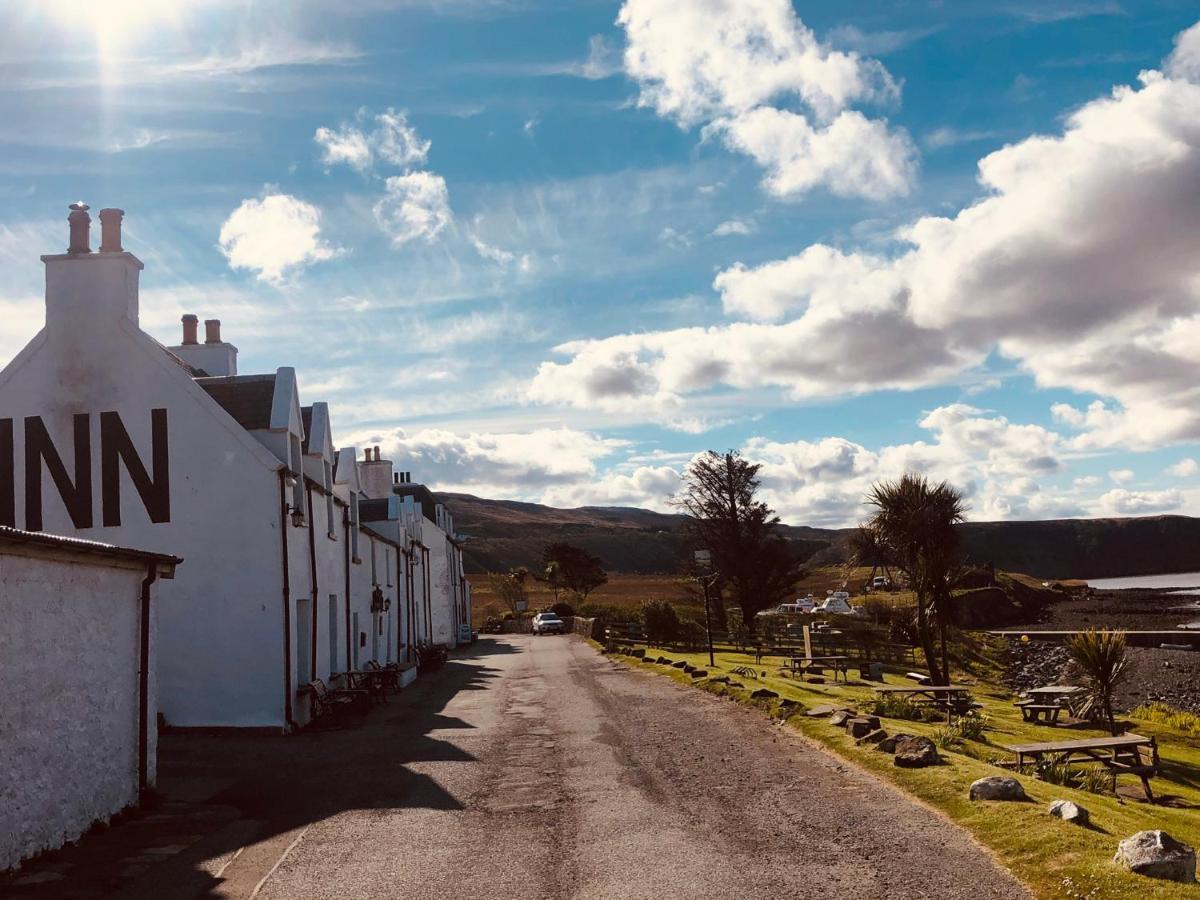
1054	858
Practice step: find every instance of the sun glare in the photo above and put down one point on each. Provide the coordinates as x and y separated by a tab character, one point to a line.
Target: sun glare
115	23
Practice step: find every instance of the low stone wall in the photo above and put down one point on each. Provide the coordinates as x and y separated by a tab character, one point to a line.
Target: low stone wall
580	625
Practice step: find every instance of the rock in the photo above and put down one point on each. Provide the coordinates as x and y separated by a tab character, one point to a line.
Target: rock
639	653
1069	812
997	787
763	694
815	679
699	673
1156	854
915	753
823	710
888	744
841	717
860	725
689	668
720	679
678	665
873	737
663	661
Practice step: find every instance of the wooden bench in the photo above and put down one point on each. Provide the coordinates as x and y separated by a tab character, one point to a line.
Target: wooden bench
1143	762
918	677
388	676
1126	754
336	702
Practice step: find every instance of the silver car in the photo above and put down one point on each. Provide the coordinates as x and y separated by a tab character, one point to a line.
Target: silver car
548	623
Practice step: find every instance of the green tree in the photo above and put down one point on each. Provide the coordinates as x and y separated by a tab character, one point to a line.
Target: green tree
1101	659
577	570
915	527
509	588
755	563
661	622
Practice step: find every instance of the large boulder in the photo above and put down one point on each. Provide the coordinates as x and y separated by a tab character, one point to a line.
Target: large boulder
873	737
915	753
1069	812
997	787
763	694
699	673
841	717
888	744
1157	855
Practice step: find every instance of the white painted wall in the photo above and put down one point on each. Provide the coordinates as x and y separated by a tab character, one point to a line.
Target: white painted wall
69	657
221	620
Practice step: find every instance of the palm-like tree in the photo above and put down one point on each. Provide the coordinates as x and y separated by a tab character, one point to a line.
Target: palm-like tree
1101	659
915	527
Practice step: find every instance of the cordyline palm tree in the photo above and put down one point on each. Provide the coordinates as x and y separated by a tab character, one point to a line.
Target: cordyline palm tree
915	527
1100	658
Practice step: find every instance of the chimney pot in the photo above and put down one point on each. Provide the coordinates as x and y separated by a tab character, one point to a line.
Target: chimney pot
110	230
376	453
212	331
81	224
191	325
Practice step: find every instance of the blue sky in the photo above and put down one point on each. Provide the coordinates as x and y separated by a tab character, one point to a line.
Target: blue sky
549	251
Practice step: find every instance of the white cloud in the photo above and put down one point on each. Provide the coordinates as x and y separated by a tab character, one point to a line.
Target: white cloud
735	226
1088	481
414	206
1121	476
726	62
602	61
392	140
852	156
949	136
1080	261
274	236
1184	61
1185	468
1121	502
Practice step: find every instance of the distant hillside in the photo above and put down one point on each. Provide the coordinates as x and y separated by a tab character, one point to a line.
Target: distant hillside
506	533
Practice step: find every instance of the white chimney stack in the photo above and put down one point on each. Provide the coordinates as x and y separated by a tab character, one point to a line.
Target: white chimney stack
85	290
214	356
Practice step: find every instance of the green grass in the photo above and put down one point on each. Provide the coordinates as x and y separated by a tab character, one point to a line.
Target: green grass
1054	858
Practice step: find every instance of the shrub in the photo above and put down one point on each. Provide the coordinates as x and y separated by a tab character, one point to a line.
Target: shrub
1101	659
1096	780
972	727
898	708
1054	773
947	738
562	610
661	620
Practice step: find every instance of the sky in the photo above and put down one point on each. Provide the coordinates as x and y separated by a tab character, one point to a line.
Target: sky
550	251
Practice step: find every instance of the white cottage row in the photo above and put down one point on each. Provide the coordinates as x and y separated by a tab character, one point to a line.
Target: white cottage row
303	560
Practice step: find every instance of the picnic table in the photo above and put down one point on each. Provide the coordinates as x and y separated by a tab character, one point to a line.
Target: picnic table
1127	753
1046	704
806	663
953	698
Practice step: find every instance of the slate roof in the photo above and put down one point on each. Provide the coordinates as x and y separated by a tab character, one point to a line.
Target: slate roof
306	417
247	398
82	545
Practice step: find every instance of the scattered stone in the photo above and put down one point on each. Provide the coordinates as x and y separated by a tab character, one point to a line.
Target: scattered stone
678	665
663	661
915	753
1156	854
815	679
823	710
689	668
639	653
861	725
841	717
720	679
763	694
735	684
997	787
873	737
1069	812
699	673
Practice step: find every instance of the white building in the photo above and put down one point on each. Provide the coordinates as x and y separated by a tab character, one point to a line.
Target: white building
108	435
77	648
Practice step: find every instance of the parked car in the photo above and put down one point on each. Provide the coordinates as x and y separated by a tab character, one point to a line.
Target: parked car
881	583
548	623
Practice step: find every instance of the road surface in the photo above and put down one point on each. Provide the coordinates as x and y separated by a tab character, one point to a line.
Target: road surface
532	768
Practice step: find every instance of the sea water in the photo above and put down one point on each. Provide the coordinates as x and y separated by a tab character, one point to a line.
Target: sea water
1178	580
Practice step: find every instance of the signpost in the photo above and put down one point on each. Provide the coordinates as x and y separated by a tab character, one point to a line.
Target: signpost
703	561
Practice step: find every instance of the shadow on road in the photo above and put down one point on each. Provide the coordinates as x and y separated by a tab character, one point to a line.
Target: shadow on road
236	789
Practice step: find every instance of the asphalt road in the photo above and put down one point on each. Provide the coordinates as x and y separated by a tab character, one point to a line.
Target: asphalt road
526	768
581	778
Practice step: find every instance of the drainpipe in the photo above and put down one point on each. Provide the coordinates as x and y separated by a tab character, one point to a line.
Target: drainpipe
346	526
144	685
287	604
428	585
312	560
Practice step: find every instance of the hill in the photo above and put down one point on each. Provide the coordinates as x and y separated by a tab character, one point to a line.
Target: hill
506	533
